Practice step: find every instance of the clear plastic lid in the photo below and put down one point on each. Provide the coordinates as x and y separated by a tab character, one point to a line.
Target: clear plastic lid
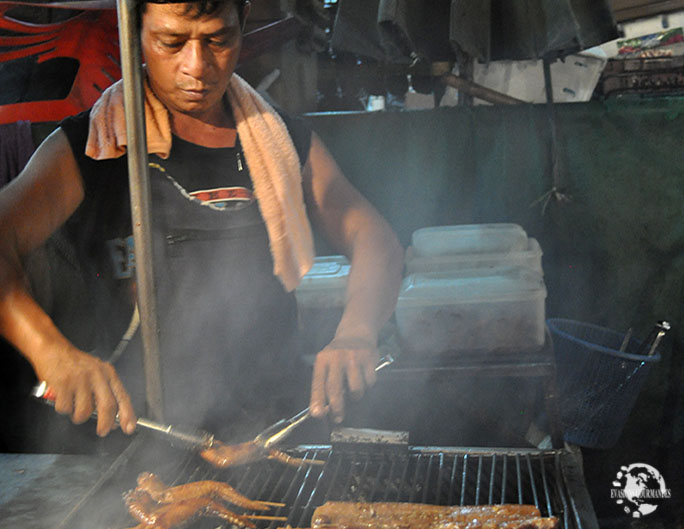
468	239
530	257
471	286
327	272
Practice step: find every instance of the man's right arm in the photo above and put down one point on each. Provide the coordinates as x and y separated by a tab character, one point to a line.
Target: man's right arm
32	207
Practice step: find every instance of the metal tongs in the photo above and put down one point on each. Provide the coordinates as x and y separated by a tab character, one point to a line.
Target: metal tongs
277	432
199	439
650	344
195	440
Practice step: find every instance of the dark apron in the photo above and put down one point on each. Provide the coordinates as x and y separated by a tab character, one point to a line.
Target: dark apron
228	327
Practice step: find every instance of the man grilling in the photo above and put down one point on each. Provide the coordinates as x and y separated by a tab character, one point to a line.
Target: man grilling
236	187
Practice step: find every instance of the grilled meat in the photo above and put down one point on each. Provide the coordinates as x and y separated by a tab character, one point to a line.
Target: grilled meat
157	506
223	456
141	506
158	491
348	515
173	515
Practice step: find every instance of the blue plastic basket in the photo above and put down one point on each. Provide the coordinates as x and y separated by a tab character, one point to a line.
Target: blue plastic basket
597	384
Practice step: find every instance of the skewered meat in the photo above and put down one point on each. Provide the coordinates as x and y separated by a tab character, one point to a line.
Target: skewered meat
279	455
152	485
348	515
157	506
223	456
140	505
176	514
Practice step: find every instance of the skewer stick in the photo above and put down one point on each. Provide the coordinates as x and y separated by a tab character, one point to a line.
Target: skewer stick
628	336
266	517
272	503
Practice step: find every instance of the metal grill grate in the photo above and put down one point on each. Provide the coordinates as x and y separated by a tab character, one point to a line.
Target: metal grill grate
442	476
551	480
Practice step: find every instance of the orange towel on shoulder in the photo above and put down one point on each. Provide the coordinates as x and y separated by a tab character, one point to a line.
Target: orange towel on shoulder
269	152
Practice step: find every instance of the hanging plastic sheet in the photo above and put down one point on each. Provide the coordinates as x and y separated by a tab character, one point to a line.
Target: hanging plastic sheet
356	29
491	30
411	29
400	31
394	31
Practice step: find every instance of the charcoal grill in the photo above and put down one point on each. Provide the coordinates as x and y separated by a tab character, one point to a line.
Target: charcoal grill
370	468
550	479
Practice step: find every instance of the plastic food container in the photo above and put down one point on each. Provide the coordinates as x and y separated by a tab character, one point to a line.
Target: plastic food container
499	309
468	239
529	257
320	301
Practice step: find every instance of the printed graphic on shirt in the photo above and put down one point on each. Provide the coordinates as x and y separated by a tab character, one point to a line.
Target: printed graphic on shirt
122	254
224	197
220	198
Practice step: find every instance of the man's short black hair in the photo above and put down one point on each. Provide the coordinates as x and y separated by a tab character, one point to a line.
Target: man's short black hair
200	7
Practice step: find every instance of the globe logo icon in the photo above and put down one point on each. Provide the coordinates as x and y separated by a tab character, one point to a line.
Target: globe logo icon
639	489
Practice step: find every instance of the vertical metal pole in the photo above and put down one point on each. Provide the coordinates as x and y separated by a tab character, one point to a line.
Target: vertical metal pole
139	183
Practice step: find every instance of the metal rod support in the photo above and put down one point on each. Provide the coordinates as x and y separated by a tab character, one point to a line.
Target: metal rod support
139	183
479	91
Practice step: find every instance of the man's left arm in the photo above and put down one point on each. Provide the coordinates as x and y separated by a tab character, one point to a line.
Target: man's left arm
353	227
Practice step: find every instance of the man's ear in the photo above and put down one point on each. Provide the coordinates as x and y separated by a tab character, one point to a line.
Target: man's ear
245	12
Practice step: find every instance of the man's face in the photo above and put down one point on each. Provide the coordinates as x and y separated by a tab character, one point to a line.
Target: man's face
190	60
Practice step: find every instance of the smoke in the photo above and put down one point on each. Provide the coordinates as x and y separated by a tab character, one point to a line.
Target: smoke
449	410
228	327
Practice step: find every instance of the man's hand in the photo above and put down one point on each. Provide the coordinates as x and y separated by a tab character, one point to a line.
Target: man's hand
50	187
82	384
346	365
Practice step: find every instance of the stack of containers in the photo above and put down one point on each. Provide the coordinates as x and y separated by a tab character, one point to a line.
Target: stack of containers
472	288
